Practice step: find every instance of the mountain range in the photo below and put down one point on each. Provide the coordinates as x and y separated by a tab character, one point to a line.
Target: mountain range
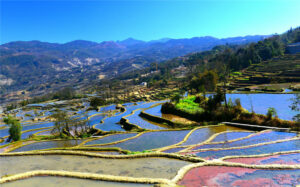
29	64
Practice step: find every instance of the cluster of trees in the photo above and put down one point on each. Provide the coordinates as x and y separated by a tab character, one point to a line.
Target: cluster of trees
66	126
95	102
296	107
203	82
15	128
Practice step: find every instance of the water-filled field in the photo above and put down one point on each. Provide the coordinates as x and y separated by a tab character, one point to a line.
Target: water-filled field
154	153
237	176
261	102
67	181
139	167
202	134
110	123
258	102
29	133
152	140
292	158
156	111
227	136
256	150
139	121
48	145
258	138
111	138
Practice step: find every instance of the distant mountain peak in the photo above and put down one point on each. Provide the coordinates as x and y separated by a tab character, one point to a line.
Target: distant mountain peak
130	41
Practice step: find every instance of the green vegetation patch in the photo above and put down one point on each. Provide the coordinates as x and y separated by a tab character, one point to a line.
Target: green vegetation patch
187	104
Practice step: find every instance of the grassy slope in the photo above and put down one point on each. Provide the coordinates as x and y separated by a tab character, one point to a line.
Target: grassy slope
187	104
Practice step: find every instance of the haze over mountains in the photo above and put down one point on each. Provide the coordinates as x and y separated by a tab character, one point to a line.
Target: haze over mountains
25	64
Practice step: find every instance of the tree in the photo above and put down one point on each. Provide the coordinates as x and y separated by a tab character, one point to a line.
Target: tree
62	123
96	101
209	79
65	94
206	81
65	125
176	98
271	113
296	106
15	128
225	75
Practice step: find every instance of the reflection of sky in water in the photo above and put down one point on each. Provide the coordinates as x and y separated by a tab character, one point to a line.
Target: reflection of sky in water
263	149
230	136
200	135
255	139
137	120
111	138
48	145
290	159
152	140
237	176
155	111
110	122
261	103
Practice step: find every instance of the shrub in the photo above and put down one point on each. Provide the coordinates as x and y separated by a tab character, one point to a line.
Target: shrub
96	101
271	112
15	128
176	98
237	103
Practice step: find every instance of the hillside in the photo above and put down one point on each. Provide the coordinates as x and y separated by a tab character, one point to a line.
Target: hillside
29	64
284	69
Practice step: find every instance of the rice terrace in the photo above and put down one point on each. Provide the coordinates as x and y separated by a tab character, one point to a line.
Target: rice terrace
149	153
216	104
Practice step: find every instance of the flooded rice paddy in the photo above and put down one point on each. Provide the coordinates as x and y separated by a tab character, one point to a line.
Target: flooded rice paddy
111	138
202	134
256	150
261	102
48	145
139	167
67	181
152	140
236	176
290	159
208	142
139	121
258	138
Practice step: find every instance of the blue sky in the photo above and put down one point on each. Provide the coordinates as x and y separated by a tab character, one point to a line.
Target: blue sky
63	21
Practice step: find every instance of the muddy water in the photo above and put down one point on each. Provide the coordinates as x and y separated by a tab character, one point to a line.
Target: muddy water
67	181
139	167
178	119
156	112
105	152
48	145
